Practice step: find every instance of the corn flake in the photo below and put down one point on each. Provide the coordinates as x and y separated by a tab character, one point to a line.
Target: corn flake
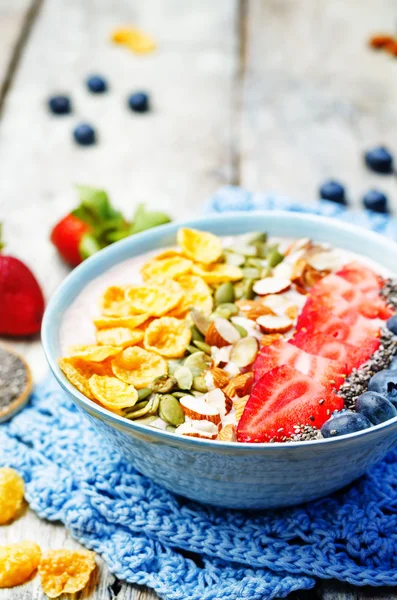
155	300
65	571
76	377
18	562
11	494
113	393
166	268
200	246
92	353
131	321
114	302
138	367
168	254
196	293
168	337
218	273
119	336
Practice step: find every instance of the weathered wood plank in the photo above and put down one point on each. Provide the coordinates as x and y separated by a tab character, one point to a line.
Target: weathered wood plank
172	158
315	96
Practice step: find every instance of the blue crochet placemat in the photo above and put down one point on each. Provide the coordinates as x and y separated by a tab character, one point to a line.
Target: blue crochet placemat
147	535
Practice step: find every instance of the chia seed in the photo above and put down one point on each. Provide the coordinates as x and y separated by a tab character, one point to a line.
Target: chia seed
13	378
304	433
389	292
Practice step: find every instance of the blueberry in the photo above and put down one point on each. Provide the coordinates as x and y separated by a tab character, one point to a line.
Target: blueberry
376	201
344	422
97	84
84	134
60	105
379	160
375	407
139	102
334	191
391	324
385	383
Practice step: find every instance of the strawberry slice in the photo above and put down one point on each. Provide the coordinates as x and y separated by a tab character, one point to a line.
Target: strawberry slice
361	277
282	398
322	344
329	373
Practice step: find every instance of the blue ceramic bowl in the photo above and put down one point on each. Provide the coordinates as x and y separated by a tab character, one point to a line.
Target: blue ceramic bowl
249	476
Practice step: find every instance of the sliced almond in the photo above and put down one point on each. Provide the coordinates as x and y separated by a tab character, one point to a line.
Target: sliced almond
253	309
323	261
300	244
200	321
220	377
232	369
205	430
239	405
244	351
227	434
283	270
298	270
277	302
221	333
198	409
220	401
240	385
271	285
221	356
277	324
292	312
312	276
269	338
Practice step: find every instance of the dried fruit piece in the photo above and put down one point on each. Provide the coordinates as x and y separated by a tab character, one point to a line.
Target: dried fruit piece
196	293
271	285
200	246
131	321
199	410
92	353
155	300
114	303
138	366
119	336
18	562
270	338
166	268
227	433
220	377
240	385
65	571
221	333
244	351
239	405
274	324
217	273
113	393
11	494
168	337
205	430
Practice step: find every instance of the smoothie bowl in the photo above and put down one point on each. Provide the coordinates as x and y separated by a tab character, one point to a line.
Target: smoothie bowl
241	360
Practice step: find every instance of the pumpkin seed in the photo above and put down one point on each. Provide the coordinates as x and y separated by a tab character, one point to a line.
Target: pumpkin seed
254	236
170	428
274	257
144	393
258	263
239	290
262	249
265	272
224	293
251	273
203	347
225	310
140	405
200	320
173	365
170	410
199	360
150	408
248	289
196	335
233	258
163	384
241	330
179	395
184	377
246	249
192	349
146	420
199	384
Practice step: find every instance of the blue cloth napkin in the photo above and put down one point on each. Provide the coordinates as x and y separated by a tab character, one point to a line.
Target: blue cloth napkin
183	550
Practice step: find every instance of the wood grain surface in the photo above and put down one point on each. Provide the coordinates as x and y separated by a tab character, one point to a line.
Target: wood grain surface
268	94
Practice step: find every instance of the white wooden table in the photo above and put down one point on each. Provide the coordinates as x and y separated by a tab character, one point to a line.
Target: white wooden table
268	94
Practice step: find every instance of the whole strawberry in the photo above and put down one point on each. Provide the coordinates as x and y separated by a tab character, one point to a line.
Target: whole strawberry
67	236
21	299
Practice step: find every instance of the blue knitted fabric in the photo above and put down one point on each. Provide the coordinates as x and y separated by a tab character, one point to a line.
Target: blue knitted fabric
147	535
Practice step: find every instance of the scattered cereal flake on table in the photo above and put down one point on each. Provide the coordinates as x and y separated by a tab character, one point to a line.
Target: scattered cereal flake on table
131	321
168	337
135	39
12	490
196	293
166	268
138	366
18	562
218	273
119	336
65	571
92	353
200	246
113	393
155	300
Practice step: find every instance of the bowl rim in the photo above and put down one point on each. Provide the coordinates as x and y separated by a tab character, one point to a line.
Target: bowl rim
201	223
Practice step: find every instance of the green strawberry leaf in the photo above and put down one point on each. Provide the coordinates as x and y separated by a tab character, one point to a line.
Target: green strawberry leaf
88	246
146	219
